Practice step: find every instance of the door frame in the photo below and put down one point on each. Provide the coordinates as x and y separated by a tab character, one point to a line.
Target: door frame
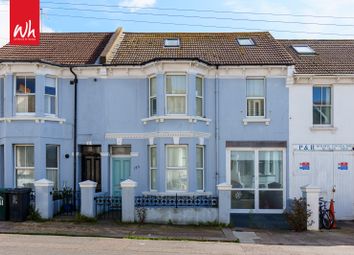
111	168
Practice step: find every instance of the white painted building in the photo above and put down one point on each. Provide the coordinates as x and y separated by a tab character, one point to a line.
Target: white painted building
321	129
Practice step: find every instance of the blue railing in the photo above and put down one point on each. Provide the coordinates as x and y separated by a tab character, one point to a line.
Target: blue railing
176	201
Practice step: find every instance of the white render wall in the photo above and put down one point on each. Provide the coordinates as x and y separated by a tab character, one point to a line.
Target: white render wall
324	170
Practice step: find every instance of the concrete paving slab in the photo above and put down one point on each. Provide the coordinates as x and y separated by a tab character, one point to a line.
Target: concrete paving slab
246	237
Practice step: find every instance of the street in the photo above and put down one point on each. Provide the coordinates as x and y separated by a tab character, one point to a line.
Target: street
35	244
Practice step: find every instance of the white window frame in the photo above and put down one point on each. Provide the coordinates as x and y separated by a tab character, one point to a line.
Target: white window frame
176	95
56	97
58	164
2	97
166	44
176	168
242	41
309	50
200	97
29	75
257	98
256	188
152	168
152	97
201	169
19	167
331	105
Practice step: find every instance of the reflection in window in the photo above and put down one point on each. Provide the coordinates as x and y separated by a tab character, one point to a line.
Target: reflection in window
176	94
24	155
176	175
322	105
50	96
25	94
242	169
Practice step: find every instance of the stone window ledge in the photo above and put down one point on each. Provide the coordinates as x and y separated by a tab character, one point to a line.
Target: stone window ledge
246	121
162	118
323	128
33	118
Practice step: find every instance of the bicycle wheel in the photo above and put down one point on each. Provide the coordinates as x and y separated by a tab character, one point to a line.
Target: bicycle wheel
327	219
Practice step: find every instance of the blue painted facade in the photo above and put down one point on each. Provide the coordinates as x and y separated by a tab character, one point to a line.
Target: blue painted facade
119	105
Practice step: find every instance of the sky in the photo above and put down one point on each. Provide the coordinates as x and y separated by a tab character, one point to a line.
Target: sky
320	19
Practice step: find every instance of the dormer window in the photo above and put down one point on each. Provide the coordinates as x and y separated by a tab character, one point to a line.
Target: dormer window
172	42
245	42
303	49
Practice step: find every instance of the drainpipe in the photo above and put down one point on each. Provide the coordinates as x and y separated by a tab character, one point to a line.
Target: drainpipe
216	80
75	82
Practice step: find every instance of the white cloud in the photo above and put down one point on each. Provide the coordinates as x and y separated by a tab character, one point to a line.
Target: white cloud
138	4
308	7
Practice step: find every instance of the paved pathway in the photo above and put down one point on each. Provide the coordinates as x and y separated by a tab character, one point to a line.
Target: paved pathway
55	245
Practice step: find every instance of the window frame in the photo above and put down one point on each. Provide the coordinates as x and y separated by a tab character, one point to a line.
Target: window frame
297	46
56	97
176	168
185	95
150	147
252	42
331	105
19	167
152	97
201	169
257	98
172	46
53	168
200	97
256	188
26	75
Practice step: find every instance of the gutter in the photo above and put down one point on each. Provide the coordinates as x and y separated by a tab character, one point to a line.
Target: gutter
75	82
216	81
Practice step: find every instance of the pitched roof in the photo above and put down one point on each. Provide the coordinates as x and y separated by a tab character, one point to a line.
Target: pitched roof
211	48
60	48
331	56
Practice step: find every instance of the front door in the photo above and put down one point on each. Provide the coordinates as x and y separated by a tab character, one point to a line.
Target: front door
120	172
91	165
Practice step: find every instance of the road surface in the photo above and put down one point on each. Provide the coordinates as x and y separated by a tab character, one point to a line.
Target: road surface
38	245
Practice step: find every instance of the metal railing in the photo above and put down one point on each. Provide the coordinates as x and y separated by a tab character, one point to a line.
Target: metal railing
176	201
64	201
108	207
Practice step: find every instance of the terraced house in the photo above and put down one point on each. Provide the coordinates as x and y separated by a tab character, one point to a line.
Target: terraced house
178	113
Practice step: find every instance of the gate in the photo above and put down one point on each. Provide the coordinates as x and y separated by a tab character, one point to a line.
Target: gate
109	207
66	202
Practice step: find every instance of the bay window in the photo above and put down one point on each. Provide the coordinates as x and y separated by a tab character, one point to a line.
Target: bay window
152	96
199	96
176	167
24	165
153	168
200	168
50	96
257	179
255	90
52	164
322	105
176	94
25	94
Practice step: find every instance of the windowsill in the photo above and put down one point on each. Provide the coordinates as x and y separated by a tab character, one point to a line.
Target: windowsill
33	118
323	128
256	120
162	118
179	193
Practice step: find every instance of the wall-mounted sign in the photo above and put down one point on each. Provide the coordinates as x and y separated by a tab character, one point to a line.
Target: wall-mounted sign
304	166
324	147
343	166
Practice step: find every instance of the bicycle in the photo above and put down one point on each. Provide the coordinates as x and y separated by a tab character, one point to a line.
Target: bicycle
326	215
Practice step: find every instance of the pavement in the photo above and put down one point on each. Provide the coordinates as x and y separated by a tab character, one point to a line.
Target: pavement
57	245
343	235
114	229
